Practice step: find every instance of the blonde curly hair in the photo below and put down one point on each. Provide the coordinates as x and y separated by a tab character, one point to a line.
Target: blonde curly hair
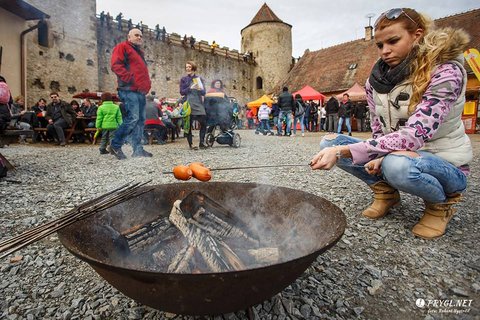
434	47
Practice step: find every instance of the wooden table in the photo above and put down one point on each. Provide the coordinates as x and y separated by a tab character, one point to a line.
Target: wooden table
79	126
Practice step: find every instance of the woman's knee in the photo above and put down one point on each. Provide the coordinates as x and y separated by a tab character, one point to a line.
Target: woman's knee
396	168
328	140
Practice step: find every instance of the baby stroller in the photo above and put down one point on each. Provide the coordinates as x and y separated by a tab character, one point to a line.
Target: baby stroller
222	137
219	122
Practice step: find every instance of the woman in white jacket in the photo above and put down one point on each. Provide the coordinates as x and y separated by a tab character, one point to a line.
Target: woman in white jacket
415	94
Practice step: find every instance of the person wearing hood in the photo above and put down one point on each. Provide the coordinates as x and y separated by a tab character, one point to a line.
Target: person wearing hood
415	93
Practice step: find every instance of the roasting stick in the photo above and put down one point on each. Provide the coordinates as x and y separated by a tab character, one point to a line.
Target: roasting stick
83	211
71	213
251	167
80	213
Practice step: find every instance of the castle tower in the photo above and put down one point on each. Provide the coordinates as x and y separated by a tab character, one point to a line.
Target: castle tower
270	40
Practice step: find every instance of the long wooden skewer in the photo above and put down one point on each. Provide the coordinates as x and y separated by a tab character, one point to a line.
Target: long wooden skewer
83	211
251	167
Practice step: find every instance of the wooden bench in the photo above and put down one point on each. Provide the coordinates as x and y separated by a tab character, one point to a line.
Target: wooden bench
69	132
171	132
150	135
90	133
11	135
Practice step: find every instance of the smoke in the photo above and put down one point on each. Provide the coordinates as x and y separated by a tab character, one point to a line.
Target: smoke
282	218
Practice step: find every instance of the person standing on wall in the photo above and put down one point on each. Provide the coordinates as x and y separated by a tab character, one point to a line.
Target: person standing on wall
128	63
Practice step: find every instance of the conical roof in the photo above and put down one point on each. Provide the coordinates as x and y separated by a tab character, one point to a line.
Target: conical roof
265	14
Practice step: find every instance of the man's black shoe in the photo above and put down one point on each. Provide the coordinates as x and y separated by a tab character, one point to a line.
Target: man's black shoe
103	151
202	146
118	153
142	153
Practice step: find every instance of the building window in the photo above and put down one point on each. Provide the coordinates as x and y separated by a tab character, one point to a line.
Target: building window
352	66
259	83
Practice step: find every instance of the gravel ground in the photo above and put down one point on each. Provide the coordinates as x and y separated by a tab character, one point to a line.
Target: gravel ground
377	270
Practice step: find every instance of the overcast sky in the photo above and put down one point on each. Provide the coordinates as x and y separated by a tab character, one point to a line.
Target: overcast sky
316	24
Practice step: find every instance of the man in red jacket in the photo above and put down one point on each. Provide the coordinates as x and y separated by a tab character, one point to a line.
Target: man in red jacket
128	63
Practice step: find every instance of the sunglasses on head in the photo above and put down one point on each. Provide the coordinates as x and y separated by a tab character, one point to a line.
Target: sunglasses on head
393	14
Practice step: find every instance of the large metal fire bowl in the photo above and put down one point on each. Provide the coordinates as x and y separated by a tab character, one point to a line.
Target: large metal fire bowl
303	226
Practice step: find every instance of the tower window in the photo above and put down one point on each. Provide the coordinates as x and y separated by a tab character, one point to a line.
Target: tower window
259	83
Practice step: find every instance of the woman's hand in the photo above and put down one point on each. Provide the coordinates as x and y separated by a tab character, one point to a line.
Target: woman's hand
325	159
374	167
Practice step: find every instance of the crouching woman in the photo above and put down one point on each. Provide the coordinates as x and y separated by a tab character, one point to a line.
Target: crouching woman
415	93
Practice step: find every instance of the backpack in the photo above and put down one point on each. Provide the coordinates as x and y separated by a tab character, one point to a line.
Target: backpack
299	110
4	93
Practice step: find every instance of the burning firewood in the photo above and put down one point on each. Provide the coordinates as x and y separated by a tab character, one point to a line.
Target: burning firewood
265	256
148	234
213	218
231	256
198	236
218	227
203	242
181	261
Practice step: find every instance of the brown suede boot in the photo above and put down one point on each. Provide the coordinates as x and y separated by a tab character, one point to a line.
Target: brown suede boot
385	197
435	218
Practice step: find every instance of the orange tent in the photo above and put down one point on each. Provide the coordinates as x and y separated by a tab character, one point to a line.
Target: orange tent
356	93
308	93
257	103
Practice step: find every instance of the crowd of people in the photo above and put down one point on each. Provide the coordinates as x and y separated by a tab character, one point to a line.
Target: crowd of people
163	118
289	113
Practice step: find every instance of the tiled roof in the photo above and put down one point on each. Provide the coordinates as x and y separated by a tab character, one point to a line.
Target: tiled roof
336	69
468	21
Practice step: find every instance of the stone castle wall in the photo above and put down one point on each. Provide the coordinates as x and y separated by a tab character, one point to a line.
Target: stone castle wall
70	64
78	58
166	63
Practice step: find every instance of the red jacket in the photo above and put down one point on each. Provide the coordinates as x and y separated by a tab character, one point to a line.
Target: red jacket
128	63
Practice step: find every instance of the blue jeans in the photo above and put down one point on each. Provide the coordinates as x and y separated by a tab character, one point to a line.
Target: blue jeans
275	123
107	136
133	121
288	120
427	176
302	124
347	123
264	126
